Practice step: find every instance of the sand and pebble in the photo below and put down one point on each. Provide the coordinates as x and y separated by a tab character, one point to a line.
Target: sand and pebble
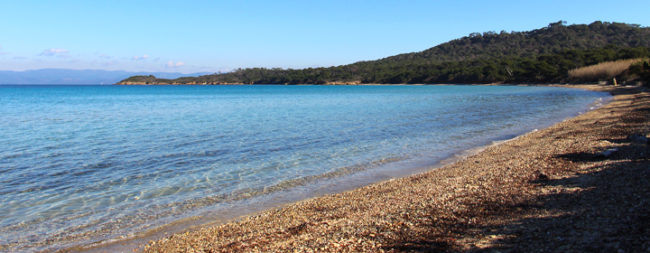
557	189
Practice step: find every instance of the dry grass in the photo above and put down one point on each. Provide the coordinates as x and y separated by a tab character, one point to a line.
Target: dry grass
603	70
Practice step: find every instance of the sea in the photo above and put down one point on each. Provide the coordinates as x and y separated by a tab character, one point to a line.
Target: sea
83	165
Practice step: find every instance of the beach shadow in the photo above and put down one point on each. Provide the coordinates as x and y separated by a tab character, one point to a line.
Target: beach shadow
587	157
607	210
422	245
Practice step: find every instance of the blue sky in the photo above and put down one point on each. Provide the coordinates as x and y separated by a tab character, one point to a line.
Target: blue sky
212	36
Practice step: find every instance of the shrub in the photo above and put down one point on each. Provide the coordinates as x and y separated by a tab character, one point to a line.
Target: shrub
602	71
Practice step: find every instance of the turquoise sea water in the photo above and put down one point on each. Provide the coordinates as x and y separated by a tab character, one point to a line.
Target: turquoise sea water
80	164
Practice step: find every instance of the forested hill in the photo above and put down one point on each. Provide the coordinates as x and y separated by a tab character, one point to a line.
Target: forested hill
539	56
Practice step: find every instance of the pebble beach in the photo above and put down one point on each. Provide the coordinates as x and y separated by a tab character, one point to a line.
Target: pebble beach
579	185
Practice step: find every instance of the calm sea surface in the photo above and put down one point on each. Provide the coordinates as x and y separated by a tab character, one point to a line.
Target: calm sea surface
80	164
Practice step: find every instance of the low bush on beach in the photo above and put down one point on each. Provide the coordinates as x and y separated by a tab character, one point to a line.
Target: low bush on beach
602	71
628	71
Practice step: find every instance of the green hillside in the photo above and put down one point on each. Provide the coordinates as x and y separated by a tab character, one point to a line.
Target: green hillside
540	56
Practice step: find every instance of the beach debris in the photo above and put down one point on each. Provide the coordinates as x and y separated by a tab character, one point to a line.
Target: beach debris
540	176
607	153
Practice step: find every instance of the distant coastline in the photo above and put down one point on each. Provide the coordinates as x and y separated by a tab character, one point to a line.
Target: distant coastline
76	77
163	82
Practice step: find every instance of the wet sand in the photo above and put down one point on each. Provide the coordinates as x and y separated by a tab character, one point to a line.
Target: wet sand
549	190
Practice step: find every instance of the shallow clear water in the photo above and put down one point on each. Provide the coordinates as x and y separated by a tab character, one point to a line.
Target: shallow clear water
79	163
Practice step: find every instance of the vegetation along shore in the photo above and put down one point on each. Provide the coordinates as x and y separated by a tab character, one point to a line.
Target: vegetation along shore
580	185
540	56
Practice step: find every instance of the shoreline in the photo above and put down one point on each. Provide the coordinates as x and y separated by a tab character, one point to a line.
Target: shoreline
266	214
274	200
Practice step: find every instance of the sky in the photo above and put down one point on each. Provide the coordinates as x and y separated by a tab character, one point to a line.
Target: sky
219	36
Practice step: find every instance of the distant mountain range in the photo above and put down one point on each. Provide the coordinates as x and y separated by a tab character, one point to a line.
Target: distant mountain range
71	76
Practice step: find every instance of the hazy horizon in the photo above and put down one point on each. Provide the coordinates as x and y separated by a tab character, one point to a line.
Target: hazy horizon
53	76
